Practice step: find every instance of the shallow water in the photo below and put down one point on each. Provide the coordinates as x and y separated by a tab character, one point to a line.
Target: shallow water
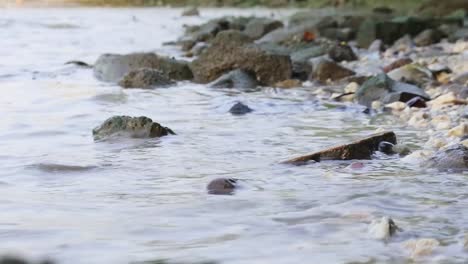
76	201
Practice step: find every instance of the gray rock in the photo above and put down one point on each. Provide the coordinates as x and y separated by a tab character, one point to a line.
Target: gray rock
324	70
232	50
340	34
240	109
112	67
384	89
235	79
134	127
302	55
342	52
191	11
145	78
428	37
258	27
222	186
454	158
411	73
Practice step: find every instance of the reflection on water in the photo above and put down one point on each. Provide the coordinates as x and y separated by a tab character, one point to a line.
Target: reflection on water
67	197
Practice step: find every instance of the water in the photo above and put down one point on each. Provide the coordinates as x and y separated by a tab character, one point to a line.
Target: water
76	201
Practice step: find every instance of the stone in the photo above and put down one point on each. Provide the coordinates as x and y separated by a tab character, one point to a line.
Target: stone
428	37
361	149
452	158
342	52
231	50
383	228
376	46
145	78
417	102
386	90
303	55
221	186
445	100
411	73
325	70
290	83
459	131
258	27
397	64
134	127
441	8
421	247
191	11
240	109
403	44
112	67
209	30
235	79
391	149
340	34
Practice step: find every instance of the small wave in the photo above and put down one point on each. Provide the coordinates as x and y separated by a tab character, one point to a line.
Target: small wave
54	167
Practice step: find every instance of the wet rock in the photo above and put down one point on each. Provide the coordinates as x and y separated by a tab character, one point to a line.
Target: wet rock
397	64
428	37
210	29
342	52
191	11
145	78
421	247
403	44
361	149
445	100
112	67
80	63
240	109
411	73
134	127
459	131
302	55
258	27
417	102
222	186
231	50
376	46
291	83
340	34
383	228
386	147
382	88
453	158
235	79
18	260
325	70
391	149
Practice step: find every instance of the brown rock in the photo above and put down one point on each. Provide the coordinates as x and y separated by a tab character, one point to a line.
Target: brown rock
397	64
325	70
221	186
290	83
361	149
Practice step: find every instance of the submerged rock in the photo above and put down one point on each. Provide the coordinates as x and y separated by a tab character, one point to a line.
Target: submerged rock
134	127
231	50
240	109
325	70
235	79
112	67
145	78
361	149
382	88
383	228
453	158
221	186
342	52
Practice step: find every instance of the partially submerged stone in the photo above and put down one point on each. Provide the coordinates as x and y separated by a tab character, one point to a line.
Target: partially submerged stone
145	78
383	228
452	158
240	109
235	79
221	186
325	70
421	247
113	67
134	127
361	149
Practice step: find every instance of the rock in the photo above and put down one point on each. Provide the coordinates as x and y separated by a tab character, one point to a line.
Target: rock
340	34
446	99
441	8
428	37
221	186
325	70
303	55
397	64
383	228
240	109
376	46
191	11
112	67
342	52
134	127
391	149
291	83
210	29
17	260
403	44
386	147
382	88
79	63
453	158
459	131
421	247
361	149
235	79
231	50
411	73
461	78
145	78
258	27
417	102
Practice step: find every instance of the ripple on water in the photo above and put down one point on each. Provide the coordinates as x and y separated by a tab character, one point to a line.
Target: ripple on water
62	168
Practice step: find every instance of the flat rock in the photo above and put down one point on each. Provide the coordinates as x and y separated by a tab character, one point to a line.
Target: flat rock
145	78
133	127
113	67
361	149
240	79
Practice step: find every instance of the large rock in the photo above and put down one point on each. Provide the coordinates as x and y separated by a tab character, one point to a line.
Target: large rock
134	127
342	52
384	89
232	50
258	27
145	78
236	79
112	67
454	158
324	70
428	37
411	73
361	149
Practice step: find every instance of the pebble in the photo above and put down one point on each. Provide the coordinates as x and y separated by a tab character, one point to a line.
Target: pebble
351	87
